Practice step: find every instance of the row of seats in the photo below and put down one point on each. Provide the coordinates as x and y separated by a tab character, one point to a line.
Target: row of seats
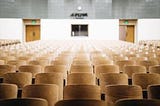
81	71
6	42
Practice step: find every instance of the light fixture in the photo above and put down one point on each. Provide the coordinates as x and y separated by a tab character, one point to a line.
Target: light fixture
79	8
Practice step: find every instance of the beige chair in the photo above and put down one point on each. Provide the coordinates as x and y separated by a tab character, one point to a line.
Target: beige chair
143	79
82	92
153	91
81	69
21	79
45	91
57	68
138	102
6	68
51	78
122	63
80	103
112	79
81	62
117	92
102	61
131	69
81	79
41	62
8	91
148	63
17	63
24	102
34	69
154	69
104	68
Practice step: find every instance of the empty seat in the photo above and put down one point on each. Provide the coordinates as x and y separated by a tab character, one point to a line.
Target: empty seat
2	62
57	68
143	79
34	69
81	79
147	63
17	63
8	91
80	103
131	69
153	91
6	68
51	78
122	63
112	79
138	102
154	69
81	69
45	91
117	92
20	79
24	102
82	92
106	69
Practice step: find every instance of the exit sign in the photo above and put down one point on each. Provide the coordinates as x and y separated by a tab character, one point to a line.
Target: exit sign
34	21
126	22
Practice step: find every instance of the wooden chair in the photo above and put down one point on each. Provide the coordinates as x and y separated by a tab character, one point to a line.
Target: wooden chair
138	102
117	92
112	79
6	68
21	79
45	91
154	69
8	91
24	102
80	103
81	79
51	78
82	92
2	62
81	69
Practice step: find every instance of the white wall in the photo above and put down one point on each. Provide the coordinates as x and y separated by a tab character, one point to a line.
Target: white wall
11	29
148	29
107	29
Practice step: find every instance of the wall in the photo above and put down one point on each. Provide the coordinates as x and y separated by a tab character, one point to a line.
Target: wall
148	29
107	29
11	29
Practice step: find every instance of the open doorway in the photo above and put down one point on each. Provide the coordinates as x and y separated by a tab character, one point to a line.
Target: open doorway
79	30
127	30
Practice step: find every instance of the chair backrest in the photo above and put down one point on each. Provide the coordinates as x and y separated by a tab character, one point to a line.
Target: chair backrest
145	79
51	78
81	69
19	78
153	91
116	92
46	91
57	68
24	102
2	62
82	92
154	69
122	63
138	102
112	79
104	68
131	69
8	91
6	68
81	79
148	63
80	103
34	69
17	63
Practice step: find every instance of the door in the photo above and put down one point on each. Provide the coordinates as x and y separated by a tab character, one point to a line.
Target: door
130	33
126	33
32	32
79	30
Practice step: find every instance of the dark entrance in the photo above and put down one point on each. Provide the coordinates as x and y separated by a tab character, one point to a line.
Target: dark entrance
79	30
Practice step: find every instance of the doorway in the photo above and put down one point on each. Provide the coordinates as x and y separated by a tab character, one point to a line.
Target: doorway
79	30
127	30
32	32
